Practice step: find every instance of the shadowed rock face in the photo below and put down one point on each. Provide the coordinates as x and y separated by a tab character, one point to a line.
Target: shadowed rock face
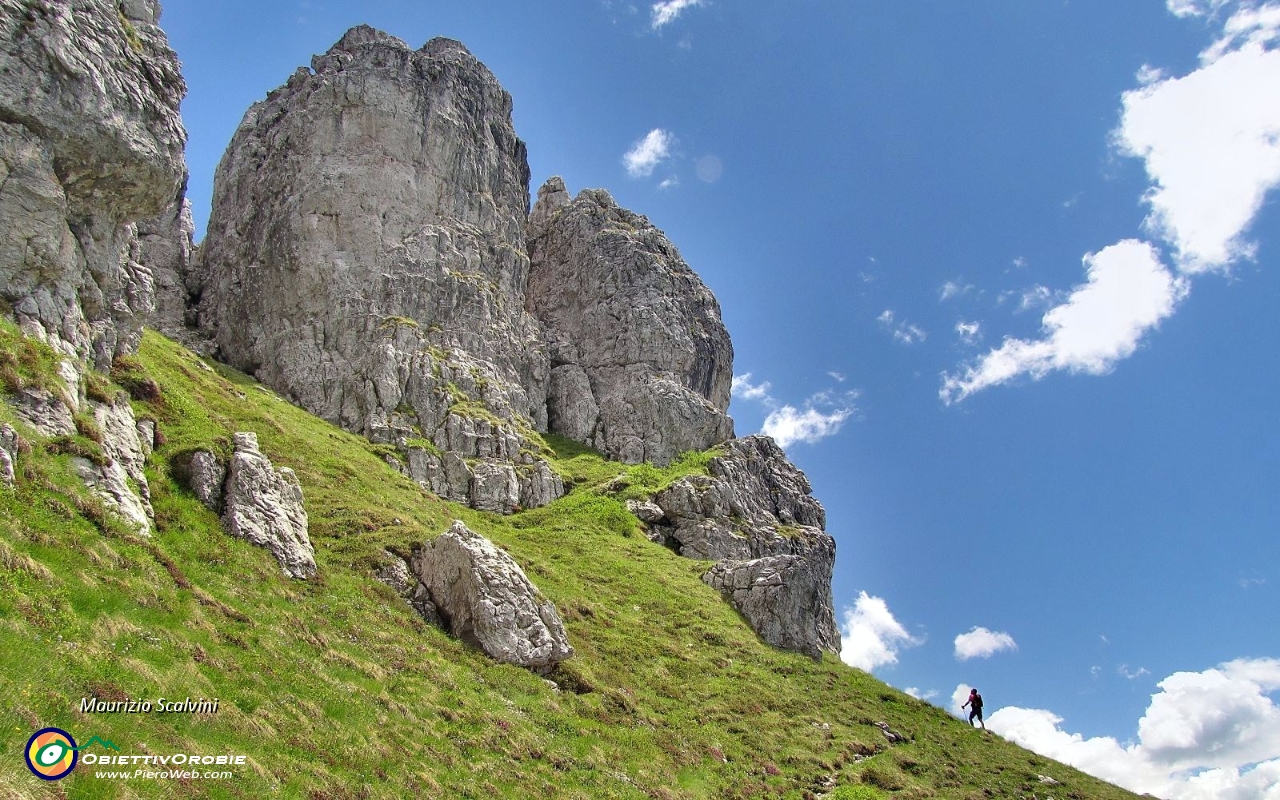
90	142
365	252
641	363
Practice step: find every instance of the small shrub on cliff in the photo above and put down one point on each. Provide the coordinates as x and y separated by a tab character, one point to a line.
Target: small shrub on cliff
129	373
97	387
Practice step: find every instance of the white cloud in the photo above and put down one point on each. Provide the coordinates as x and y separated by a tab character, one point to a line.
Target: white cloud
1210	142
823	415
788	425
1036	297
969	332
648	153
870	636
669	183
952	289
838	377
1124	672
1260	783
921	694
1148	74
982	643
1248	26
1210	734
668	10
742	387
1127	292
903	332
1194	8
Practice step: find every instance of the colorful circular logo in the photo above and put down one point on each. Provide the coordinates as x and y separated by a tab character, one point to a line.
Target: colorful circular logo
51	753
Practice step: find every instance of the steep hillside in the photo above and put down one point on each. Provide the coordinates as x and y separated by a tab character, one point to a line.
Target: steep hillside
334	687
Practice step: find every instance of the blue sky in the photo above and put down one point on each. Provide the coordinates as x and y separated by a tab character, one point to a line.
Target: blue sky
1002	276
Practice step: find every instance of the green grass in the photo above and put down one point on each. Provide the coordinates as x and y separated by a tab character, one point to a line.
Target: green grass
334	688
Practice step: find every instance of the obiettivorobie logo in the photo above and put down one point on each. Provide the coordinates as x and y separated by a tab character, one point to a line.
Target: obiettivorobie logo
52	752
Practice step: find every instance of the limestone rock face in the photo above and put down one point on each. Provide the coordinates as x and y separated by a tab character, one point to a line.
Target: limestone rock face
9	440
166	247
90	141
641	364
48	414
754	503
754	513
365	253
110	482
205	476
264	506
121	443
485	599
782	599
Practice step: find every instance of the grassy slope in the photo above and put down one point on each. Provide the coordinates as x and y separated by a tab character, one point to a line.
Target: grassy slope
334	688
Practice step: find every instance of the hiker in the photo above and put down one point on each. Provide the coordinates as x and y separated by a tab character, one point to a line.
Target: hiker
975	703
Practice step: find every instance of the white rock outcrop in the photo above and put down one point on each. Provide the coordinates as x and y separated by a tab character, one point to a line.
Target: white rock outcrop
44	411
205	475
366	257
486	600
9	440
785	599
263	505
754	513
365	253
121	481
641	364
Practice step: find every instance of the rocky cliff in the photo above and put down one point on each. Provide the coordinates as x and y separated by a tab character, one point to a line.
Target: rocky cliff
641	363
91	143
365	256
369	254
365	252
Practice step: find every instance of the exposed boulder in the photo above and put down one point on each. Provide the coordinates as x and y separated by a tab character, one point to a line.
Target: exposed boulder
539	485
264	506
110	482
127	486
754	513
365	253
641	363
9	442
487	601
487	484
147	433
494	487
754	503
90	141
120	437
